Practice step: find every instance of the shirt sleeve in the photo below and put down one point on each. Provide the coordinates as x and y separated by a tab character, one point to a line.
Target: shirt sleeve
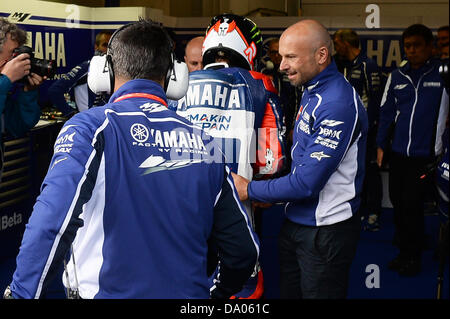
21	112
376	81
64	85
55	217
237	244
5	85
387	114
441	123
334	130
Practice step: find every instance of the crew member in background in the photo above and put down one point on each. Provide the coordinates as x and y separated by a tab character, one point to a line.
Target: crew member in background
193	54
19	109
442	40
366	77
237	105
410	104
74	84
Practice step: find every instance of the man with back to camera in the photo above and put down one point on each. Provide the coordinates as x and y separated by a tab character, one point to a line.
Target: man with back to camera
366	77
193	54
410	104
21	112
318	239
75	83
105	200
238	106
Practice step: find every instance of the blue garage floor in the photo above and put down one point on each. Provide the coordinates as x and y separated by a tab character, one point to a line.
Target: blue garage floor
374	248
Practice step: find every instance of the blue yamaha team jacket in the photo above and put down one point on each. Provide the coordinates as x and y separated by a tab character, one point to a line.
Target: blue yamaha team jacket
411	102
138	191
366	77
328	154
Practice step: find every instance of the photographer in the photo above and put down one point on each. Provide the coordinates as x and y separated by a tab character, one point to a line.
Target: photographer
19	112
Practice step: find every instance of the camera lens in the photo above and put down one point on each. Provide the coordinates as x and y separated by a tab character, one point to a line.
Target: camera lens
43	67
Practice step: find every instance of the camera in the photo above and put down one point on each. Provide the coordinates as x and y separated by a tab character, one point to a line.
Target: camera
40	67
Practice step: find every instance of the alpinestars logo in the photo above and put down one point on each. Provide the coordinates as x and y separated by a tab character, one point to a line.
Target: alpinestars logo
139	133
319	155
158	163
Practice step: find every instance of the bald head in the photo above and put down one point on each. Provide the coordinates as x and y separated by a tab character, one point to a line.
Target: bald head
305	48
310	31
193	54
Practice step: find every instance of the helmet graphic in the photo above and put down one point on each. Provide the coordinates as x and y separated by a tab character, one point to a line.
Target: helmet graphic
234	38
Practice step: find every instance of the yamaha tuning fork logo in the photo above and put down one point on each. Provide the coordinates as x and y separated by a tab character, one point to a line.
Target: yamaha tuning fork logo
139	133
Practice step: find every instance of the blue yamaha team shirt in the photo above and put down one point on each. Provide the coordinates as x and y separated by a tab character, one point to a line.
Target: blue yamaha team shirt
366	77
410	103
328	153
137	192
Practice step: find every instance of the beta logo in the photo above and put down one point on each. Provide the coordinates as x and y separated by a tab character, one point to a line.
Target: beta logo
10	221
139	133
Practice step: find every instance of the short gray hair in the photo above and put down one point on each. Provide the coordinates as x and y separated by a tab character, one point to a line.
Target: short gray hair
17	34
142	50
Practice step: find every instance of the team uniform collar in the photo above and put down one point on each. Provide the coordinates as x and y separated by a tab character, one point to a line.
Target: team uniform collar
358	59
322	77
428	65
140	88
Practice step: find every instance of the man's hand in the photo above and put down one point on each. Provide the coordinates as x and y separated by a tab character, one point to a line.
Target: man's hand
241	184
34	81
18	67
380	154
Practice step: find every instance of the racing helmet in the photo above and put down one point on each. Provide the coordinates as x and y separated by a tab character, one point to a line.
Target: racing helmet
235	38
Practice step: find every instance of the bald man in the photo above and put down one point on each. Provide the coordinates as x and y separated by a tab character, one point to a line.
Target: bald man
319	236
193	54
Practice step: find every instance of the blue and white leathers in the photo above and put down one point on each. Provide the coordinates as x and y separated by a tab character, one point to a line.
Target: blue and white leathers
328	153
242	110
138	191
